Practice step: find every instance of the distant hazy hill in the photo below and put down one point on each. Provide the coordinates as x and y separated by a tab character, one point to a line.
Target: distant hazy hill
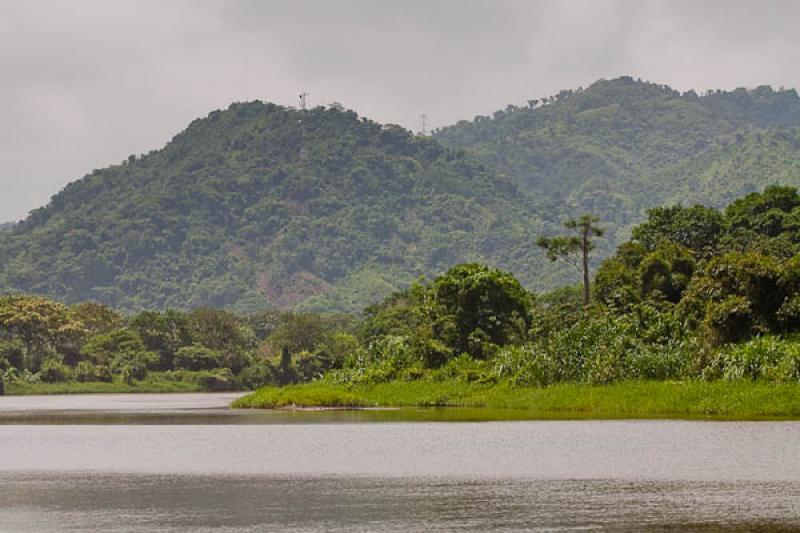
6	226
621	146
260	205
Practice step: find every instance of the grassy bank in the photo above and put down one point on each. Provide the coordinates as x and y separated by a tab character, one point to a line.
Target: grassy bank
156	382
631	399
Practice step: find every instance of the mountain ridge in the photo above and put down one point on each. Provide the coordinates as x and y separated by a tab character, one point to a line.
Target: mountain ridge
261	205
586	147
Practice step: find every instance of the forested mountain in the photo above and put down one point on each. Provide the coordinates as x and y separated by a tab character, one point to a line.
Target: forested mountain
263	206
621	146
6	226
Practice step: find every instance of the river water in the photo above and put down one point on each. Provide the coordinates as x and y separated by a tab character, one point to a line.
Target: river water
187	463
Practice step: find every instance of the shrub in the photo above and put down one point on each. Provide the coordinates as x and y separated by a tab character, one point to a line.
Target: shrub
15	375
197	357
730	320
86	371
465	369
309	366
54	371
525	366
662	362
556	310
338	346
473	306
133	365
105	347
665	273
103	373
12	354
413	373
644	343
382	360
789	314
217	381
736	296
258	374
768	357
616	283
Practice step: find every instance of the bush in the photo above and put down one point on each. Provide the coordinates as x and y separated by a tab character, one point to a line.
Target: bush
309	366
473	307
104	348
197	357
662	362
645	343
12	354
383	360
736	296
133	365
86	371
15	375
730	320
54	371
789	314
769	358
524	366
465	369
217	381
665	273
258	374
338	346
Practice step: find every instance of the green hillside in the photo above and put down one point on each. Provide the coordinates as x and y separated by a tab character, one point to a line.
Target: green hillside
263	206
621	146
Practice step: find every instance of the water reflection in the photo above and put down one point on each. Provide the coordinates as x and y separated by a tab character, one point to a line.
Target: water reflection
35	502
186	463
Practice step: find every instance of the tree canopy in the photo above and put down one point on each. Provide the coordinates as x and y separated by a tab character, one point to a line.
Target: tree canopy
262	206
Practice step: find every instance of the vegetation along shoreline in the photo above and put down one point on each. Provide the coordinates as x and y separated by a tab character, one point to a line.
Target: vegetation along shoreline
697	315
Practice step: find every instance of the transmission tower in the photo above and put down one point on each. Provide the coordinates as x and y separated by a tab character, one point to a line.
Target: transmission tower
423	124
303	100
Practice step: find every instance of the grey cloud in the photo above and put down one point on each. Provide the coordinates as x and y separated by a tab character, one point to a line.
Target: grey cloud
84	83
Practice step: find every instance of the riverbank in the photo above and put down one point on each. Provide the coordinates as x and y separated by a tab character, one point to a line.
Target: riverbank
631	399
156	382
24	389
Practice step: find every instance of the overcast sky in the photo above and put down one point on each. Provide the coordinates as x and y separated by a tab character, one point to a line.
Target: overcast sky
85	83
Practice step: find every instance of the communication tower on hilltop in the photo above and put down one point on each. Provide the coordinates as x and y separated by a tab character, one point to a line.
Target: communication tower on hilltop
423	124
303	100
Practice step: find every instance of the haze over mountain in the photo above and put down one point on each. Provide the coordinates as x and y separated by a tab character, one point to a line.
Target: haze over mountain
260	205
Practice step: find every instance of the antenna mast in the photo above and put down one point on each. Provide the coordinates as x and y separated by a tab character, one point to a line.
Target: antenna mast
246	78
423	124
303	100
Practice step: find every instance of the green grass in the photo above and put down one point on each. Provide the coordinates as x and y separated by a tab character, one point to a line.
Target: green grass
154	383
631	399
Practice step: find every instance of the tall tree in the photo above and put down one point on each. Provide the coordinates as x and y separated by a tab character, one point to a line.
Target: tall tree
40	323
575	249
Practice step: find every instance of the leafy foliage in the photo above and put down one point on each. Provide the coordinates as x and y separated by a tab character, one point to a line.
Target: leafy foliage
197	357
621	146
680	300
474	309
260	206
